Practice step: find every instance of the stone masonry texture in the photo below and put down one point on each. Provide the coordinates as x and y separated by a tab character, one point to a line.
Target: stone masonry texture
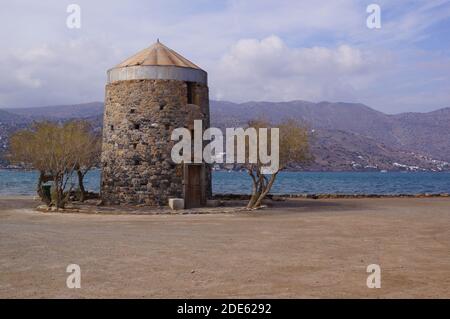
139	118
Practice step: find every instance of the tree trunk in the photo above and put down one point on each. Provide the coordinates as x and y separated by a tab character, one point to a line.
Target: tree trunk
253	198
54	192
255	190
43	196
39	185
58	193
81	185
265	191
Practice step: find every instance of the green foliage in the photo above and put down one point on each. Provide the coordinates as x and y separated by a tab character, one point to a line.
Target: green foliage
293	148
57	151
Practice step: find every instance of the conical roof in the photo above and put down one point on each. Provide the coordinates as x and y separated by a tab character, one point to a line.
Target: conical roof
158	55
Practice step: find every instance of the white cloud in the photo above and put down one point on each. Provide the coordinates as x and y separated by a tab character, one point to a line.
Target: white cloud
322	50
73	71
26	79
268	69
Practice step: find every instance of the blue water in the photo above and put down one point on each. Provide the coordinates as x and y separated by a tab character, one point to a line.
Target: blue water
17	182
339	183
13	182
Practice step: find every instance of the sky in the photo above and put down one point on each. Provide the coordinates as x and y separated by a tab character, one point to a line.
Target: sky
256	50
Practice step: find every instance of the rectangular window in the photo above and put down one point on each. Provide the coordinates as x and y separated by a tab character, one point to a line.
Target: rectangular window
136	126
190	92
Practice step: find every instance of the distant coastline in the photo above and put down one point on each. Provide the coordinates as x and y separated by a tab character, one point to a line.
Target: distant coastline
9	168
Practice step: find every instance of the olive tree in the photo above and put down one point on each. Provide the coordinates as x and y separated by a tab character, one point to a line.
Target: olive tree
24	149
87	149
56	151
293	148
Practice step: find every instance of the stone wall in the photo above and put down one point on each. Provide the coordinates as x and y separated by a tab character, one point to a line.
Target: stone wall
138	121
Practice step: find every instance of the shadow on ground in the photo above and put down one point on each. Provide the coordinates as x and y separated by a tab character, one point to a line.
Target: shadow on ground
18	202
296	206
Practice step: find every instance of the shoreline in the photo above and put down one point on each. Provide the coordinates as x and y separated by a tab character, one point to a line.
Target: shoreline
234	204
284	171
331	196
277	197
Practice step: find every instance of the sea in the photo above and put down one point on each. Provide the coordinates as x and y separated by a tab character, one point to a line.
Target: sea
18	182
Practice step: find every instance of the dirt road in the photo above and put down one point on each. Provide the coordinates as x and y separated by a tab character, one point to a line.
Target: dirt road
300	248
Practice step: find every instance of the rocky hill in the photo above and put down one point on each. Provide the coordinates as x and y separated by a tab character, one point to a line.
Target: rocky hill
428	133
58	112
345	136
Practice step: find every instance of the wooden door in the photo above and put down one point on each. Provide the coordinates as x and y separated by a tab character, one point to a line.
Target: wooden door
193	186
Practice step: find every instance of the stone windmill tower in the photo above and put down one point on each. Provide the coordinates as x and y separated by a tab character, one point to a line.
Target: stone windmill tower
147	96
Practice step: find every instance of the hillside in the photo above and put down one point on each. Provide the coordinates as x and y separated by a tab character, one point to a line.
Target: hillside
338	150
8	118
427	133
9	123
347	136
58	112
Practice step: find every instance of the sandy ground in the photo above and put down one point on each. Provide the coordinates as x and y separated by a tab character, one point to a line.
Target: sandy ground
300	248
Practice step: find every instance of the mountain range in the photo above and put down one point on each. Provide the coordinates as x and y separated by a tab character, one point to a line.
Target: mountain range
344	136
